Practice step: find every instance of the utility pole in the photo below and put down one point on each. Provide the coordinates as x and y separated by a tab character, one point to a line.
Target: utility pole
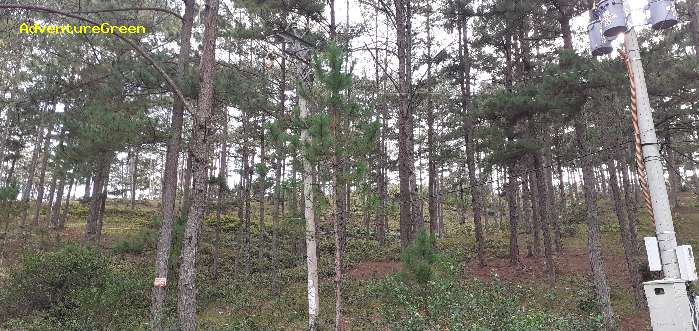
664	228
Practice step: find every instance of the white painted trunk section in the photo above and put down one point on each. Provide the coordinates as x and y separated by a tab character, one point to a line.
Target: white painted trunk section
311	258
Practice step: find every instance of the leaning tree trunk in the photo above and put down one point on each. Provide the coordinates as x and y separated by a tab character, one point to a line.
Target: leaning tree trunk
594	240
186	289
169	194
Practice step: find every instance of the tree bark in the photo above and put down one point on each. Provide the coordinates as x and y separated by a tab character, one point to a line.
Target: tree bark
134	173
56	206
309	213
92	227
169	194
594	240
88	189
465	86
673	173
278	165
186	289
261	190
27	189
527	213
222	176
62	221
405	130
544	207
45	154
630	248
511	192
536	221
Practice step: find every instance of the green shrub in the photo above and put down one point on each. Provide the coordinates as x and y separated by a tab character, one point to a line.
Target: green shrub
136	243
418	259
446	304
49	280
74	288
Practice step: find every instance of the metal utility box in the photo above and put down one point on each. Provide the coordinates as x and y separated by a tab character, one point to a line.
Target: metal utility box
653	253
685	259
612	17
599	45
668	304
663	14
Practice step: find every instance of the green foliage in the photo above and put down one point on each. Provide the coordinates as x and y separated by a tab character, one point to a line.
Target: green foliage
136	243
475	305
75	288
8	193
419	258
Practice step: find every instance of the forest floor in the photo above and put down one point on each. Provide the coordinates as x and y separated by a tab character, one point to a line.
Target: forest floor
375	296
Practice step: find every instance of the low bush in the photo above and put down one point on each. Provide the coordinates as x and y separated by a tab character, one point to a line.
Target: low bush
136	243
419	258
445	304
74	288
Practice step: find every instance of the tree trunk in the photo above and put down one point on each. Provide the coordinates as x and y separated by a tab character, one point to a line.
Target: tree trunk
102	207
512	189
169	194
62	221
527	213
222	176
405	130
278	165
629	201
49	200
465	86
544	207
56	206
88	189
311	254
673	171
92	227
594	240
45	154
262	182
134	172
630	247
536	215
27	189
186	290
555	212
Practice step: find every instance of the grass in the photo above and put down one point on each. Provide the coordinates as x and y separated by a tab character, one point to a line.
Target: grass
247	302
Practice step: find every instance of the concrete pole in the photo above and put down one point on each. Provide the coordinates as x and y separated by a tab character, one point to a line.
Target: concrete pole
664	229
